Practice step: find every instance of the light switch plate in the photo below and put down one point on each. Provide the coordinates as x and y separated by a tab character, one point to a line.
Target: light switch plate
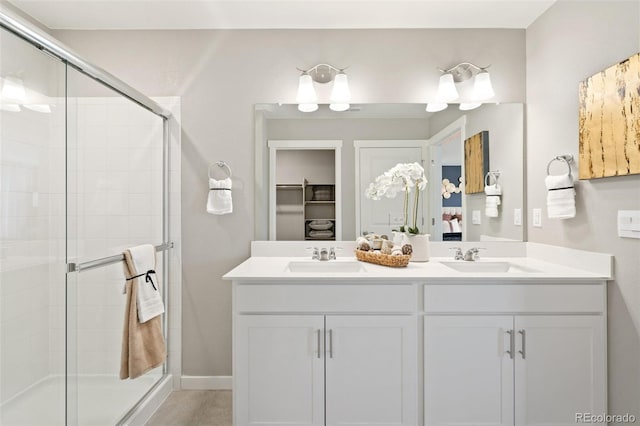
476	217
537	218
517	217
629	223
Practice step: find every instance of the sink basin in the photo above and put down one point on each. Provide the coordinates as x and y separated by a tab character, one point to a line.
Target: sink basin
472	267
329	266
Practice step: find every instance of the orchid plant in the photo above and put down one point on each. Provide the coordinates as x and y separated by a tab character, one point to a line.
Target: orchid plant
403	177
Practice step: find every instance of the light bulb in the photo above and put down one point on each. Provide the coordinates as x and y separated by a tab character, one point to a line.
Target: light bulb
482	88
340	94
307	98
447	91
436	106
307	107
467	106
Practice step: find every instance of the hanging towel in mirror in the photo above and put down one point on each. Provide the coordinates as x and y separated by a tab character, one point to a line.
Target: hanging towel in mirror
561	196
219	200
492	201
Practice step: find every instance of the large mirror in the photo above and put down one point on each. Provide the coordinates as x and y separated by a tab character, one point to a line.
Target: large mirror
312	171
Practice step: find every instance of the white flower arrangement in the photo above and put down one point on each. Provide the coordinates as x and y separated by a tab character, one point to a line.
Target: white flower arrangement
402	177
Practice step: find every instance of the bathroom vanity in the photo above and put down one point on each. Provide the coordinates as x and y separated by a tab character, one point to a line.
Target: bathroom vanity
503	341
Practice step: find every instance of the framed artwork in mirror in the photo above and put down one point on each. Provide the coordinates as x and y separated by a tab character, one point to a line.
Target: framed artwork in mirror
476	162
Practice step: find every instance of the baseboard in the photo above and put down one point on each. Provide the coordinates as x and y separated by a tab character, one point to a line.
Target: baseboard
207	382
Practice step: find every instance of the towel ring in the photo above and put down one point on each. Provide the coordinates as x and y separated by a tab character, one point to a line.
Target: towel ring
487	177
566	158
222	165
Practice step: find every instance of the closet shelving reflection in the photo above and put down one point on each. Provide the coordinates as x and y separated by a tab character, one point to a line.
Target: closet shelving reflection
307	210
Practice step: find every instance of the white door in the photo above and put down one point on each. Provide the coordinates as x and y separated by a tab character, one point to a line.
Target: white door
468	371
371	370
560	369
279	371
381	216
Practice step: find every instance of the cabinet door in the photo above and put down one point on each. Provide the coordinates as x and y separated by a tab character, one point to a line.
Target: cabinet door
371	370
278	370
468	371
562	370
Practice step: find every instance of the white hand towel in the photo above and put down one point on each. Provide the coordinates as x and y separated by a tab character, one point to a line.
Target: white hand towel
492	201
219	200
494	189
455	225
148	299
446	227
561	197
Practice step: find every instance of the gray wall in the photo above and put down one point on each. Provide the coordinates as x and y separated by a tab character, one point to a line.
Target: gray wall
506	153
221	75
348	130
570	42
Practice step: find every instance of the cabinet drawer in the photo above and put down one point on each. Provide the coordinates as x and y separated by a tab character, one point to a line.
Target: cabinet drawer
542	298
325	298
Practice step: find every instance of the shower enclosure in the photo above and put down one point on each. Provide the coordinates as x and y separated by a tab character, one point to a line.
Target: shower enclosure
83	175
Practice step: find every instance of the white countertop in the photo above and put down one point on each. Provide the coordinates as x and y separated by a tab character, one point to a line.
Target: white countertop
273	268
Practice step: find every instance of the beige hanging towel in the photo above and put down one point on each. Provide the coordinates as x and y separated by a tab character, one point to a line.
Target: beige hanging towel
143	346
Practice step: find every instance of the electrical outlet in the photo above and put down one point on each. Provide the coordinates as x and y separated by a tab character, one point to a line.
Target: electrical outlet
537	218
517	217
476	217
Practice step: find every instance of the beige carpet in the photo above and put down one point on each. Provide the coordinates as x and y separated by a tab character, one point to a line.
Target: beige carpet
194	408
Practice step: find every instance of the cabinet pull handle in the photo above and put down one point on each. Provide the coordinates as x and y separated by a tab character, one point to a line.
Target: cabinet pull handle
330	343
512	344
523	352
319	333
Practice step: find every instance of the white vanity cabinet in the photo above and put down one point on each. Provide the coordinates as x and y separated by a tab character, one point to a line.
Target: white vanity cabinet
325	354
514	354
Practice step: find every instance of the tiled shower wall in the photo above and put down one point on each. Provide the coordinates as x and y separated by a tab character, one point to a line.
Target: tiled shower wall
32	218
115	165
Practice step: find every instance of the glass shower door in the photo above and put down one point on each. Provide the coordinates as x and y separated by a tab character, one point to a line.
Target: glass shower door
32	235
116	148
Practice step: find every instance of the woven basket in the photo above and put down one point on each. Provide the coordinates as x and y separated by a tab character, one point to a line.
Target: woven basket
383	259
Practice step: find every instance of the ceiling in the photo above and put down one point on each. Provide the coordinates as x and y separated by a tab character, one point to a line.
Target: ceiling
294	14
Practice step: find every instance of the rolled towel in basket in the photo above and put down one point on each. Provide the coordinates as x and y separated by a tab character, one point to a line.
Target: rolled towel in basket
561	196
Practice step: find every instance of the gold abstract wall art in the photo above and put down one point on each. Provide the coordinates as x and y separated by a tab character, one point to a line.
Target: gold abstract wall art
609	121
476	162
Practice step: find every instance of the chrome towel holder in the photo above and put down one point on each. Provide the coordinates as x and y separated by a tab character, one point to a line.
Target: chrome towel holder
567	158
223	165
493	173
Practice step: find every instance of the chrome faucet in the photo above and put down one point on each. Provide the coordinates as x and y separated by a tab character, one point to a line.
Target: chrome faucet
472	254
458	255
315	255
332	253
322	253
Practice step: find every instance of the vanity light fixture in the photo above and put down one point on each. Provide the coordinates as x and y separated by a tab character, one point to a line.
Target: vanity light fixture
323	73
447	92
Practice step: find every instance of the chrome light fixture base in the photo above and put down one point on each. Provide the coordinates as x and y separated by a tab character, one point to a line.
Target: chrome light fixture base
323	74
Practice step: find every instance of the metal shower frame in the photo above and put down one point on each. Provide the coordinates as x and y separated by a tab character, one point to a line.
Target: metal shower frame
46	43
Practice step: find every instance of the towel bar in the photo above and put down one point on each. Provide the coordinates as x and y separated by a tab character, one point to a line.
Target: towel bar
79	267
222	164
567	158
493	173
